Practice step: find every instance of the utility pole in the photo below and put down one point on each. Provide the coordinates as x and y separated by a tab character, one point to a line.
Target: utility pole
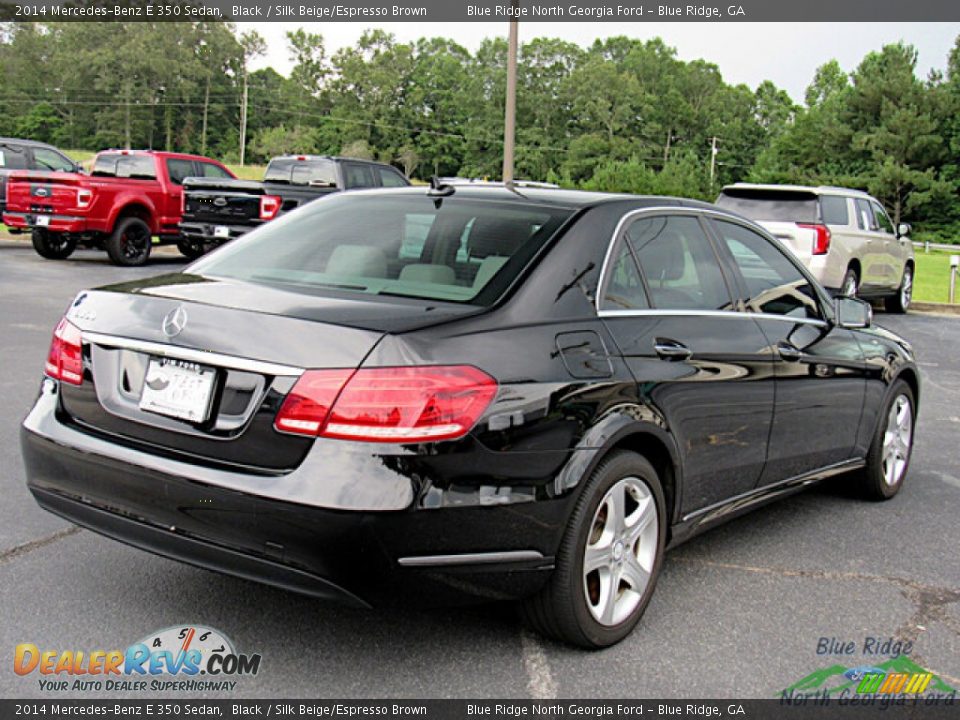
243	118
713	159
510	118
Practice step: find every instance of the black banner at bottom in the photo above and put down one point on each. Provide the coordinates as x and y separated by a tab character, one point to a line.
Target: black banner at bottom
818	708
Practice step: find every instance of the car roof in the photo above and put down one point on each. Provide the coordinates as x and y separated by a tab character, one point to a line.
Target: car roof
29	143
813	189
159	153
571	199
335	158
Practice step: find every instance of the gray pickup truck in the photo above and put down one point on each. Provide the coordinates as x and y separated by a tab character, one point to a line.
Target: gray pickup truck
17	154
217	210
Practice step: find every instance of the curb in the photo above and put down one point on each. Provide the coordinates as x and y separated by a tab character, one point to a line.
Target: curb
938	308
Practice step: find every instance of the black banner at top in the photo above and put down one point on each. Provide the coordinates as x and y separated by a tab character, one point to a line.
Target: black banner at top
613	11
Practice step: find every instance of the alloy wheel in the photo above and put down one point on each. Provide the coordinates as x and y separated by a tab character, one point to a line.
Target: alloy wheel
897	439
906	289
620	551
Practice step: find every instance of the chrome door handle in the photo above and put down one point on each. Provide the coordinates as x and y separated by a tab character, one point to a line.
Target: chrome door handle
789	352
671	350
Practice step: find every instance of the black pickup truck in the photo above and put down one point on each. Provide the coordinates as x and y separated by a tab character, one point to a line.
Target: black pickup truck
216	210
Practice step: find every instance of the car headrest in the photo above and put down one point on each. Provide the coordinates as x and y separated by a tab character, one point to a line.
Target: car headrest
497	236
488	268
357	260
426	273
663	259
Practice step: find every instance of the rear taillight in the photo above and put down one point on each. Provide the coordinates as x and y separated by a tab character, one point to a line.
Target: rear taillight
821	238
65	358
415	404
84	198
269	206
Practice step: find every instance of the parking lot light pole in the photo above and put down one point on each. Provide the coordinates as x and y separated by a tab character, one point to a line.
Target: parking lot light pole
510	114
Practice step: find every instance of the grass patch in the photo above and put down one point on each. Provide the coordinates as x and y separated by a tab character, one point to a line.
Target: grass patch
932	281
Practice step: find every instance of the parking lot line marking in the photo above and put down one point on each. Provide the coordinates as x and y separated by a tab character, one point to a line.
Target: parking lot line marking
948	479
22	549
540	680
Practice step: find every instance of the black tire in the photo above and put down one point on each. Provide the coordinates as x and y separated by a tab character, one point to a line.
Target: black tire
53	246
850	277
560	610
873	479
130	243
900	302
191	249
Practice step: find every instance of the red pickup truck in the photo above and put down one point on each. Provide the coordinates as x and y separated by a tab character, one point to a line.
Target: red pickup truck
129	196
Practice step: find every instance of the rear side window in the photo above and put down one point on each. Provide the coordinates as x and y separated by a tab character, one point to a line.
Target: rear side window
13	157
774	284
771	205
681	269
178	170
357	176
833	210
137	167
353	243
47	159
625	290
865	218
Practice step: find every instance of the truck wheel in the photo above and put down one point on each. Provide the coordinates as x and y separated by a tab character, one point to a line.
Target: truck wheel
53	246
191	248
130	242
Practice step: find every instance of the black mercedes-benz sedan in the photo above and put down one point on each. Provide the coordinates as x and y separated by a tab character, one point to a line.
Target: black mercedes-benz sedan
443	393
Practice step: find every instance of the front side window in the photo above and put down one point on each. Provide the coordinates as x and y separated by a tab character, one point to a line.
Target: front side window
774	284
681	269
355	243
213	171
883	221
48	159
391	178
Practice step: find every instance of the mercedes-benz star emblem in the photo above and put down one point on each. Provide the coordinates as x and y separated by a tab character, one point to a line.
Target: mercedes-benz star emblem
174	322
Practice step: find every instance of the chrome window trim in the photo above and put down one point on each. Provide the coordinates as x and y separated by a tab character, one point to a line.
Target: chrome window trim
696	212
202	357
711	313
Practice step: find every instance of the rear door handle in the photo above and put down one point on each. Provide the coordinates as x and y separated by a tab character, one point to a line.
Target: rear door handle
789	352
671	349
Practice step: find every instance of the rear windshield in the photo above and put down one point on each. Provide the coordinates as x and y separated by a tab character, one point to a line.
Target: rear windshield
464	251
139	167
318	173
771	205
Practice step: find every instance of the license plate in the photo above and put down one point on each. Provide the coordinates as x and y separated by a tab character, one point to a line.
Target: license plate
178	389
221	231
42	220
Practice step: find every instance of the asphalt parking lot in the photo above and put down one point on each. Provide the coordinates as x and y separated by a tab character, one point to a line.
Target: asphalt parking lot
738	612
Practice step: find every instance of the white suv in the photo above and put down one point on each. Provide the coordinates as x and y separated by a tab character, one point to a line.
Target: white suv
843	236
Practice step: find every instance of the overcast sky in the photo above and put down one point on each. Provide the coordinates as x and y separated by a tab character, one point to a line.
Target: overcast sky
747	53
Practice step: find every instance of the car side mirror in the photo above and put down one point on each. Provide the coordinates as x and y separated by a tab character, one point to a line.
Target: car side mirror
904	229
852	313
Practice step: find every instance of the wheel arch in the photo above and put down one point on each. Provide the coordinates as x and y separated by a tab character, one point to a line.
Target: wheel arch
912	379
135	209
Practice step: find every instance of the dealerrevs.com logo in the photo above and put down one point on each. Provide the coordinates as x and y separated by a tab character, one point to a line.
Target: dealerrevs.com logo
186	658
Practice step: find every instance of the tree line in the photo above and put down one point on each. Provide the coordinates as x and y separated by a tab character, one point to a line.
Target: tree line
621	115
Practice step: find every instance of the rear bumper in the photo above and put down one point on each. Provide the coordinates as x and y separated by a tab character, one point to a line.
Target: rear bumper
57	223
206	232
439	555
